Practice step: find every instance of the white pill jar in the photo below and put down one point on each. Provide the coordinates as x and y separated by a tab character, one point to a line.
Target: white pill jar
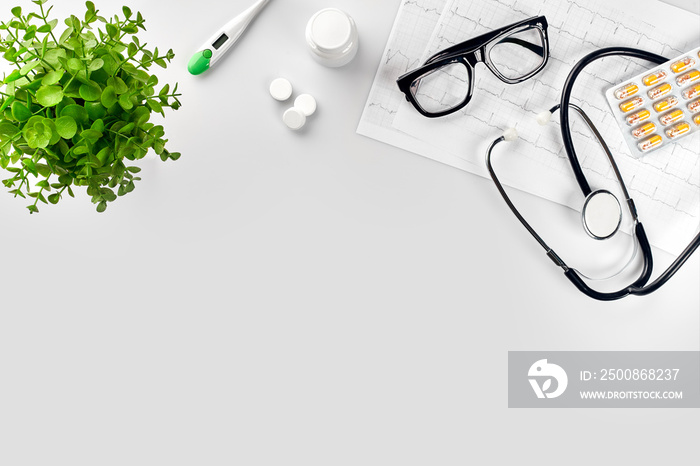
332	37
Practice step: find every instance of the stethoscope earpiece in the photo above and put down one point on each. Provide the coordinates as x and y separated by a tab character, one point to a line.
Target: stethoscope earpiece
544	117
510	134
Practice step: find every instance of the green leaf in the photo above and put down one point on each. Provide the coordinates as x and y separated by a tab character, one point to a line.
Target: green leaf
141	115
90	92
74	64
103	155
102	206
66	127
127	128
43	184
7	103
91	135
14	76
125	102
33	209
29	67
37	136
48	96
96	64
132	49
77	112
95	110
20	111
8	130
118	84
54	198
53	56
127	12
112	30
109	96
154	105
108	195
48	27
17	11
66	34
98	125
52	77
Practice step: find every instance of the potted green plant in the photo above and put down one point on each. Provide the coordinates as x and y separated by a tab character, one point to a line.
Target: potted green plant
75	110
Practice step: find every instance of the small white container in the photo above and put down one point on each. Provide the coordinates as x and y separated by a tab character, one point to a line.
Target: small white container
332	37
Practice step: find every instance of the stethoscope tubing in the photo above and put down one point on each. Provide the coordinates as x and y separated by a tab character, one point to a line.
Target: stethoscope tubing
639	286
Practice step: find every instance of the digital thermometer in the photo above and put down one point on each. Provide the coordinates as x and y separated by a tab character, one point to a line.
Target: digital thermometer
215	48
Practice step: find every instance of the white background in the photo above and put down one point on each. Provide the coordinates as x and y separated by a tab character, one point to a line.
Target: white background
311	298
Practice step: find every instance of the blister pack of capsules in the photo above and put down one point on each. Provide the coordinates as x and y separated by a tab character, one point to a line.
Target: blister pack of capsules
659	106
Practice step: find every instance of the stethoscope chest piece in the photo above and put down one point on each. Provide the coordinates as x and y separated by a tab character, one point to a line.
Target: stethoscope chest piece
601	214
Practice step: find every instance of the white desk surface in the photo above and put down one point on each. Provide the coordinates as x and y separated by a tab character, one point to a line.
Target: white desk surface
313	298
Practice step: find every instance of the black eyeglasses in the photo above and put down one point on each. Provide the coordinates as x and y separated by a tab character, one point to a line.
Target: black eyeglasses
445	83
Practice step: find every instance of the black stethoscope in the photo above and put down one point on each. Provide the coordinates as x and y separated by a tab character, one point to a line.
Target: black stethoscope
601	213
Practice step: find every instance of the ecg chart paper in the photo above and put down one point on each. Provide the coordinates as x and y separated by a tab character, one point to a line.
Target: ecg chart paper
665	184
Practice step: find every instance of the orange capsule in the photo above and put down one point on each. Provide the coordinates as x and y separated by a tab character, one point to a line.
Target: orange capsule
687	78
692	92
644	130
682	65
631	104
638	117
671	117
653	78
666	104
650	143
696	119
694	106
659	91
626	91
677	130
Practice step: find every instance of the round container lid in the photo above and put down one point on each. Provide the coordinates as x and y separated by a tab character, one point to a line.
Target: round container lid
330	30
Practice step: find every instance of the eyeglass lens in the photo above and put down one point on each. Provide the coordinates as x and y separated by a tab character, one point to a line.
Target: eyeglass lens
443	88
519	54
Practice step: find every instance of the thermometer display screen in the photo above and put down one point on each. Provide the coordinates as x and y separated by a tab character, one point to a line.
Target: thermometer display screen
220	41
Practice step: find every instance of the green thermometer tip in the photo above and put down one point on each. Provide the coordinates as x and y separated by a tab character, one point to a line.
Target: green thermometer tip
199	63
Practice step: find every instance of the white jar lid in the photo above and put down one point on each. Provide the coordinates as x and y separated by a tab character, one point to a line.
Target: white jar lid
330	30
